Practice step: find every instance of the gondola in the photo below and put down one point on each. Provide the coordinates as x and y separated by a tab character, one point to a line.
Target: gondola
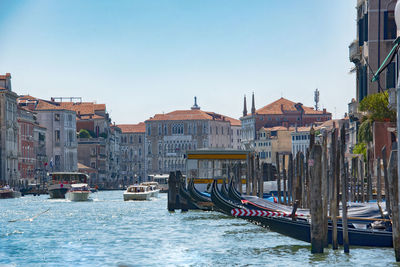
233	194
189	200
195	194
300	228
224	191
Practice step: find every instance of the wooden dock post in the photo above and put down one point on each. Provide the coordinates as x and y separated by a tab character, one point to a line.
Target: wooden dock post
285	191
362	183
172	192
254	176
290	179
259	177
343	167
302	180
278	178
378	180
353	181
393	182
316	209
324	185
386	179
307	178
370	172
184	205
248	174
333	201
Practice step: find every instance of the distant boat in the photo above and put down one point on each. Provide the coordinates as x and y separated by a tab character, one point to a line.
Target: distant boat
138	192
153	188
7	192
78	192
61	182
162	180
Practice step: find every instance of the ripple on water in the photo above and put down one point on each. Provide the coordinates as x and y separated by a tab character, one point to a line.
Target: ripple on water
110	232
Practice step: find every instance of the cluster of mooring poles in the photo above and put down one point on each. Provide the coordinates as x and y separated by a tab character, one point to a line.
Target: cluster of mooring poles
326	177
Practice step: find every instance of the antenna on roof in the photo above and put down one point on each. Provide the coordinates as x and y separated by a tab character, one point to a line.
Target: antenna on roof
316	99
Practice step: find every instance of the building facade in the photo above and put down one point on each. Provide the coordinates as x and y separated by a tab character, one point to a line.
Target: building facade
272	140
9	173
376	31
26	145
133	142
170	135
281	112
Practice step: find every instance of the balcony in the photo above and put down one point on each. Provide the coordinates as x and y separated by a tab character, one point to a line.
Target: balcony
353	107
354	52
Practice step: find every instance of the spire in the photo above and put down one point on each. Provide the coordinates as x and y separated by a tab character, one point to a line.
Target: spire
244	107
195	106
253	106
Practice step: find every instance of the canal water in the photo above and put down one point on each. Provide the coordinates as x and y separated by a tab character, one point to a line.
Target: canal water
110	232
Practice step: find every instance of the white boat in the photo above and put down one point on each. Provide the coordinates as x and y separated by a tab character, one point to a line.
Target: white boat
137	192
78	192
162	180
153	188
61	182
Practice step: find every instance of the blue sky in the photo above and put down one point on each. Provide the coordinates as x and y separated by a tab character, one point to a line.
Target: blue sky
147	57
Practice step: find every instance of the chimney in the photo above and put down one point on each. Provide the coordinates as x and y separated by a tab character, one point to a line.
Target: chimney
324	111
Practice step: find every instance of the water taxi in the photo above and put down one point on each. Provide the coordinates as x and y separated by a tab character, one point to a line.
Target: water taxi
61	182
137	192
78	192
153	188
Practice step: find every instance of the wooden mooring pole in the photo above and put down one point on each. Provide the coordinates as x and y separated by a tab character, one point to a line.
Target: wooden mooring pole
333	201
316	209
285	191
343	167
386	179
290	179
278	178
378	181
393	182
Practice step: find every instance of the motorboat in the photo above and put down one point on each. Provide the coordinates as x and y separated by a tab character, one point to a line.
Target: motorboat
78	192
153	188
7	192
61	182
137	192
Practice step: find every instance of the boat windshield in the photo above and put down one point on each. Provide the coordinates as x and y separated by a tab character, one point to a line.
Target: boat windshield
69	177
138	189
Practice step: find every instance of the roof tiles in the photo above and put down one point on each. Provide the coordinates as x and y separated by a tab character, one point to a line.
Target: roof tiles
283	105
193	114
133	128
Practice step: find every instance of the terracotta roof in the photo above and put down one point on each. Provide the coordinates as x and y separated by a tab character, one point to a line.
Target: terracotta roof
85	168
284	105
26	97
133	128
89	117
3	77
45	105
279	128
84	108
193	114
